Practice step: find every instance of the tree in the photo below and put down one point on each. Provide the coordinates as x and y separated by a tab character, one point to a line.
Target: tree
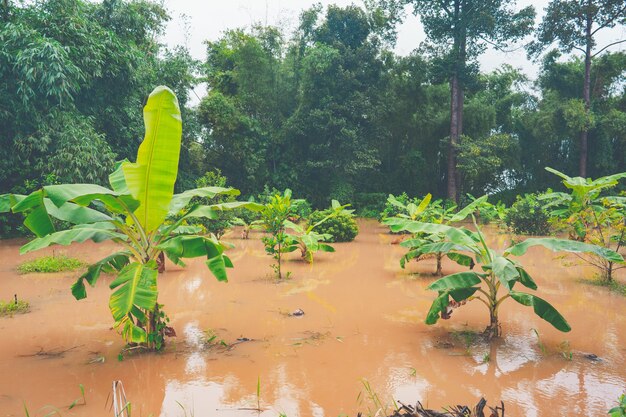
465	28
574	25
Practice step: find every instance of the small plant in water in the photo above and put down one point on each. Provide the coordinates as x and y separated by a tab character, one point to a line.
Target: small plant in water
274	215
620	410
499	273
54	263
14	306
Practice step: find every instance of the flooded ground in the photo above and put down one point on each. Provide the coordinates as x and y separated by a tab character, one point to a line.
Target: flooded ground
363	324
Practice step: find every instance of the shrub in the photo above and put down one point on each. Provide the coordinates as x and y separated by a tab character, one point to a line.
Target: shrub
301	208
55	263
369	204
342	227
527	216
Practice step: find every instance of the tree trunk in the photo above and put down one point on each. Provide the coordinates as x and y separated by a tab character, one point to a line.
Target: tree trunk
454	136
582	167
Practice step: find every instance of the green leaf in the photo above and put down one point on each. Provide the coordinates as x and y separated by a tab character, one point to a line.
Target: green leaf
114	262
135	286
151	179
180	247
526	279
326	248
75	214
543	309
566	246
439	304
505	271
455	281
467	210
461	294
179	201
461	259
97	232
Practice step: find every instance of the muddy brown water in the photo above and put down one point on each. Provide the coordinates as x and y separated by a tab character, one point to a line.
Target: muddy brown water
363	323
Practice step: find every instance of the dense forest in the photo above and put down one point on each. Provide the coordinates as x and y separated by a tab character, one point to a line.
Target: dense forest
328	110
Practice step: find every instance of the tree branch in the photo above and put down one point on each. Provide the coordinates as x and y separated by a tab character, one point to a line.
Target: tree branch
611	20
607	46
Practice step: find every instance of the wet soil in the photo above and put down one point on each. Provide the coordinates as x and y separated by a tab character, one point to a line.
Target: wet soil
362	324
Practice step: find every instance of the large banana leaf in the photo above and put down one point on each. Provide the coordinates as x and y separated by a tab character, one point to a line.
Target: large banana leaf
180	247
566	246
543	309
135	290
136	285
115	262
75	214
151	179
97	232
456	281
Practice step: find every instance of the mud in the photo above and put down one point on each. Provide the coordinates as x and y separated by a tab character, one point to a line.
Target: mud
363	324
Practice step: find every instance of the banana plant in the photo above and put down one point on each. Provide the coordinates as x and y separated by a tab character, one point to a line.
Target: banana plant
308	240
274	214
495	282
590	216
133	214
420	245
247	225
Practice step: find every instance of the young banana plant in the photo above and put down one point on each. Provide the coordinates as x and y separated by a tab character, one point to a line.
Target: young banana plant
590	216
498	275
420	244
308	240
133	214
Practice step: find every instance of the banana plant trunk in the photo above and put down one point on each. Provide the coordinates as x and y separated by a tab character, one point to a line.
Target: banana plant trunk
439	271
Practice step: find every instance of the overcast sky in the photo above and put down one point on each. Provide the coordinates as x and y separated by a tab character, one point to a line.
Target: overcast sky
194	21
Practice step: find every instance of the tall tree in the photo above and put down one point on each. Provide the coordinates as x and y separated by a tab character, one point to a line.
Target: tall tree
466	28
574	25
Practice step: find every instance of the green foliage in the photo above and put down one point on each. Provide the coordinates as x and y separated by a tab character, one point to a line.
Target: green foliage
329	110
133	214
54	263
487	212
430	242
500	273
341	227
527	216
14	307
274	215
224	219
620	410
590	215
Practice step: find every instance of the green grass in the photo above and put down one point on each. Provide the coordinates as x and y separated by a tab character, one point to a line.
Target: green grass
55	263
10	308
614	286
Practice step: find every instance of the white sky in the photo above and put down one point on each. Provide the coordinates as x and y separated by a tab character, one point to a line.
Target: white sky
194	21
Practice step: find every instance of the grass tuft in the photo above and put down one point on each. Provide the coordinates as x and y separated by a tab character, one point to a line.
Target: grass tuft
614	286
12	307
55	263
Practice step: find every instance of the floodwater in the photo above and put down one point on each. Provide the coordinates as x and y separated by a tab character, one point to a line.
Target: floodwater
363	325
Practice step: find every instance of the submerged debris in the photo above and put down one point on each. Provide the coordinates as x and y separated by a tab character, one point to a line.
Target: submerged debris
456	411
297	313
